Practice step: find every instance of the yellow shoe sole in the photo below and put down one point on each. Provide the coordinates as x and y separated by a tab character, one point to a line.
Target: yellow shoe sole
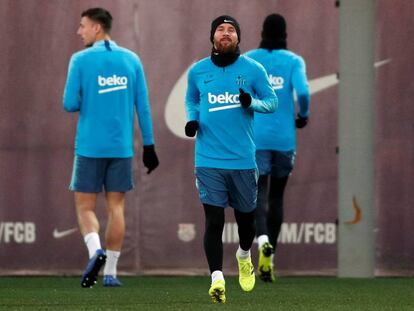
217	292
265	269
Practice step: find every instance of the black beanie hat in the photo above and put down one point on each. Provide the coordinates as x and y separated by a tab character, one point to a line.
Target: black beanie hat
224	19
274	28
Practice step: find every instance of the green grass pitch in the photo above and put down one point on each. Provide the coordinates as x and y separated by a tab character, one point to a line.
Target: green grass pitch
190	293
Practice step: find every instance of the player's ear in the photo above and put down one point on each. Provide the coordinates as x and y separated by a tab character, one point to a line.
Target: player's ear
97	28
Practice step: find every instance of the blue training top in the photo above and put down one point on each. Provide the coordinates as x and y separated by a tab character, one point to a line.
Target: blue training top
287	72
106	84
225	136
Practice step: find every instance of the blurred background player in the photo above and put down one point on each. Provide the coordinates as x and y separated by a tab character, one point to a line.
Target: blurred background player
106	85
275	135
223	92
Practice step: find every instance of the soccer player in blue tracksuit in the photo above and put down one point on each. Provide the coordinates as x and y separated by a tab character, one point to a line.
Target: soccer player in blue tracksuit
223	93
106	85
275	135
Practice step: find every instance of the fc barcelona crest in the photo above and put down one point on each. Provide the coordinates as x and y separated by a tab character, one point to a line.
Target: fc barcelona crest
240	81
186	232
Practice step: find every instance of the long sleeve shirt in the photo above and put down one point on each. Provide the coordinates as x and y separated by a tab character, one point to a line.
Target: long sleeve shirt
225	137
106	85
287	73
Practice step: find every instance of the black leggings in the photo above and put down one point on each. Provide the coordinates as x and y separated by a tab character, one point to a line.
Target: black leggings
269	211
213	243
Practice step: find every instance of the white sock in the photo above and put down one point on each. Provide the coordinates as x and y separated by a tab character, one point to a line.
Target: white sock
262	239
93	243
242	254
111	262
217	275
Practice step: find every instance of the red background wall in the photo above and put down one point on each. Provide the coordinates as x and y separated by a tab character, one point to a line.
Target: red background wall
164	216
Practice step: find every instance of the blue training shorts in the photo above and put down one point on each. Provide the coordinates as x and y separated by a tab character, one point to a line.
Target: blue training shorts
91	174
224	187
276	163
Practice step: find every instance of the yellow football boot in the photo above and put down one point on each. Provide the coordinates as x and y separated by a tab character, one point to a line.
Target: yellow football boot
217	291
246	273
265	269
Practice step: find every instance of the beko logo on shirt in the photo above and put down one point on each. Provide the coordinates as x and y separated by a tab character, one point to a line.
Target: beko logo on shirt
115	82
231	99
225	98
277	82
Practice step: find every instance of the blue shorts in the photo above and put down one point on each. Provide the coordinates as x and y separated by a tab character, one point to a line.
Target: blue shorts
276	163
90	174
224	187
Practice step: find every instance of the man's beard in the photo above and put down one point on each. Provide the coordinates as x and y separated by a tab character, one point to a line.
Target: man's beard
226	48
226	56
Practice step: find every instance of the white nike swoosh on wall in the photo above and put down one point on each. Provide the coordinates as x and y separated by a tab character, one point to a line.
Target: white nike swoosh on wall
325	82
175	111
61	234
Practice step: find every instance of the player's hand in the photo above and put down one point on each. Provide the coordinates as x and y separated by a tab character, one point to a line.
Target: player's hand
191	128
301	122
245	99
150	158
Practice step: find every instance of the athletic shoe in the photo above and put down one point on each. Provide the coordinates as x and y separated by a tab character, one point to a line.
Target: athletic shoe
246	273
111	281
265	269
92	269
217	291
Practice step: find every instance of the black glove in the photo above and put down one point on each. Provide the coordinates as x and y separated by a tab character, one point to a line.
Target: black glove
301	122
245	99
191	128
150	158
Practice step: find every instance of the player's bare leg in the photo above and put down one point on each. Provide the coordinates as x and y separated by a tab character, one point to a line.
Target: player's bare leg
89	227
115	229
114	236
85	210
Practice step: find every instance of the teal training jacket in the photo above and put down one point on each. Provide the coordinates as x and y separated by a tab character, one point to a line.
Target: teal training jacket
287	73
106	85
225	138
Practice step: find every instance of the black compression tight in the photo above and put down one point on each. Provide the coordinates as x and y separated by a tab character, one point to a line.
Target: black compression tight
214	225
269	212
246	225
213	244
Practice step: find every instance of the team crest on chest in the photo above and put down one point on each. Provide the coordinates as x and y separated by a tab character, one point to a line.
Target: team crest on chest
240	80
